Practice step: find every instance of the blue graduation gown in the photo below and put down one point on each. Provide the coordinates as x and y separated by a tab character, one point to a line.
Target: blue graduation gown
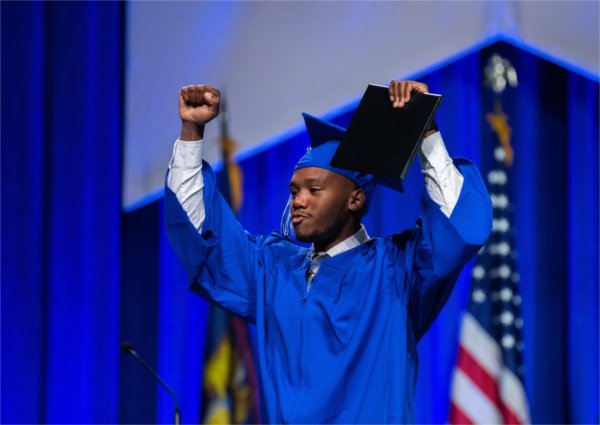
345	352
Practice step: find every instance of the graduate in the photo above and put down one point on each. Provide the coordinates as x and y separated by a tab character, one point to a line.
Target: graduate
337	323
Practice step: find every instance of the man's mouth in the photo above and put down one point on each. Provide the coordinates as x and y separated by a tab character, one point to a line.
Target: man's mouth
298	218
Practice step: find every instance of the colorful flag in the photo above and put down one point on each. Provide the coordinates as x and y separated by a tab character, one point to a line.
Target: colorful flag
230	392
487	386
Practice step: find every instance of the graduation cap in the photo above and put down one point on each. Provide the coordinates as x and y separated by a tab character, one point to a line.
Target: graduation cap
324	141
380	142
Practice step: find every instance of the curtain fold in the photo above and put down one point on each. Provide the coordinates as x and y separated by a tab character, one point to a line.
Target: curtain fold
61	197
582	249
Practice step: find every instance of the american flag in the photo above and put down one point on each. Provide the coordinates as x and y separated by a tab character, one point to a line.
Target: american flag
487	386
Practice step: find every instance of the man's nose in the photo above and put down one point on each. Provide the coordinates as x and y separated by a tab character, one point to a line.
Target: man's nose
298	201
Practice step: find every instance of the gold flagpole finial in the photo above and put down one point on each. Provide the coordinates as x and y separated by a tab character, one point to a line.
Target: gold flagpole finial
498	74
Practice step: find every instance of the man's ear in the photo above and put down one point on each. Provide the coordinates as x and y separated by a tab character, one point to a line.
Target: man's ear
357	200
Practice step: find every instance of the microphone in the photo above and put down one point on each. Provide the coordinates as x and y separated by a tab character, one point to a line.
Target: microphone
127	348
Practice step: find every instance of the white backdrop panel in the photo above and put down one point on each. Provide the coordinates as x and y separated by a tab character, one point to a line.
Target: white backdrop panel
274	60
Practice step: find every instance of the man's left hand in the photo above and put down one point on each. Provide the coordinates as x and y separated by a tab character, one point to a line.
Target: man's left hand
400	91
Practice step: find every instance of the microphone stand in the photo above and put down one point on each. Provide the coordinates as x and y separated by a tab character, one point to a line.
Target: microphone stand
127	348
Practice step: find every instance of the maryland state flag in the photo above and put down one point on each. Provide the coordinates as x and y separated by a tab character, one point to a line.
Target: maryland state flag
230	385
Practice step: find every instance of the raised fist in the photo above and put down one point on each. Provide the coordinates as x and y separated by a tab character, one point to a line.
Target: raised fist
199	103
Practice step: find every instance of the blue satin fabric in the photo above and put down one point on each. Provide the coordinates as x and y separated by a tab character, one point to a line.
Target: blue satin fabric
345	352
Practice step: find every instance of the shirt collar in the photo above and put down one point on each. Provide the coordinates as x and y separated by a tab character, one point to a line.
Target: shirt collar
353	241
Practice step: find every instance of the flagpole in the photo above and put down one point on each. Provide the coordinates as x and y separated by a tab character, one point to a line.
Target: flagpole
488	381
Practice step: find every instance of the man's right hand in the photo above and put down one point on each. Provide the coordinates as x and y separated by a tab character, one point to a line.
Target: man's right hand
198	104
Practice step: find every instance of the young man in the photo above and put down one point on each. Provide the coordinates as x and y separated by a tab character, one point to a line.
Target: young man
338	323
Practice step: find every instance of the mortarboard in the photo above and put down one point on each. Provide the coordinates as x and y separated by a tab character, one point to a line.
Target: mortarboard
325	139
380	142
378	146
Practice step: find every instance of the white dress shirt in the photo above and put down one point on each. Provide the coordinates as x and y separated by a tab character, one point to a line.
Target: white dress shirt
443	182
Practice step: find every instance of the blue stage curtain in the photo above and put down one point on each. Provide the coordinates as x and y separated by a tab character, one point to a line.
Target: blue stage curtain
582	249
554	191
163	321
61	194
554	116
72	284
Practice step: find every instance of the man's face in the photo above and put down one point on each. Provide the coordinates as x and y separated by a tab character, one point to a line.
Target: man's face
321	205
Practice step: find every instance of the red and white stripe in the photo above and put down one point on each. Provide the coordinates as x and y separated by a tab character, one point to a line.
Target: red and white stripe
483	390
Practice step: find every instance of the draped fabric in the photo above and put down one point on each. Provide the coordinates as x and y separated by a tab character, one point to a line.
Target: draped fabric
581	293
77	276
554	116
61	195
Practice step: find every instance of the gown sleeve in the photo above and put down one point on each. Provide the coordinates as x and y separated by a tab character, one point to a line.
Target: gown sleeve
221	260
438	247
